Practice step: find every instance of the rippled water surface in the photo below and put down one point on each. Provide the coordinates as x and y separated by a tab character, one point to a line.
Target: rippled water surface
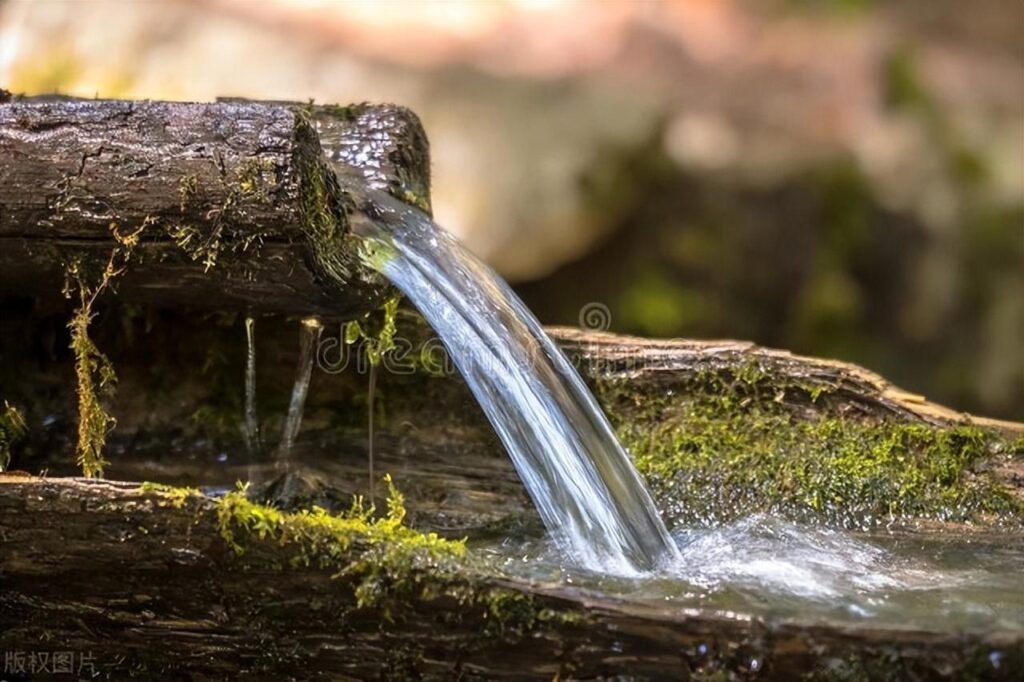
772	568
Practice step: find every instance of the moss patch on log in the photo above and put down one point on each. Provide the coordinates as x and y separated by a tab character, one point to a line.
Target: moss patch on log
389	565
376	329
323	207
12	429
93	371
383	557
729	443
176	496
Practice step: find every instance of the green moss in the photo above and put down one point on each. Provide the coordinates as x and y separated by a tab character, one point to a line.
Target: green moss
324	208
341	112
12	429
255	177
227	230
733	443
388	565
93	371
383	557
376	330
188	185
415	198
177	496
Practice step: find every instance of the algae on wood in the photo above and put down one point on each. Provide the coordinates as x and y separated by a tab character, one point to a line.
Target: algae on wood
144	579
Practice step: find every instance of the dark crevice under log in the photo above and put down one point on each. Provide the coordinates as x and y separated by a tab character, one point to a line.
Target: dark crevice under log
239	205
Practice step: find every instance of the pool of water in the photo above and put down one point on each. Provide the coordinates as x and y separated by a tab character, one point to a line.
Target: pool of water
773	569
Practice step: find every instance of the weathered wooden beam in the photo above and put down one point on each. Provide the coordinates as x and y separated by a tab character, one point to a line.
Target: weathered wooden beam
238	203
651	365
144	583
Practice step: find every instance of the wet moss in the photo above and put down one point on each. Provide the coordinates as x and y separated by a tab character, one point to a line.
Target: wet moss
256	177
324	209
93	371
227	231
728	445
188	185
176	496
389	565
383	558
376	330
12	429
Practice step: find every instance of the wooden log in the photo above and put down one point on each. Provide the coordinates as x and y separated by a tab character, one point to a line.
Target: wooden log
238	204
658	364
177	424
142	582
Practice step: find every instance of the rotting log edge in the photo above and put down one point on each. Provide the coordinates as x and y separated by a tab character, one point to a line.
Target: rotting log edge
648	362
145	583
240	207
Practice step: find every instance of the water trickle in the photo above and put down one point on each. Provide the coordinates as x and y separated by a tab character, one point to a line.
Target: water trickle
586	489
309	336
251	429
371	399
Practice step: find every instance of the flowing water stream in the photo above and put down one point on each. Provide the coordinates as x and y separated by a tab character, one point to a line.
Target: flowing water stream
605	534
584	485
780	570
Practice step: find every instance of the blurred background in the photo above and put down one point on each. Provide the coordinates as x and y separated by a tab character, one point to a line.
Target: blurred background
842	178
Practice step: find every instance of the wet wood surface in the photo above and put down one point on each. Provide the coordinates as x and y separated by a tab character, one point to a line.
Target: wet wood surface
219	190
149	588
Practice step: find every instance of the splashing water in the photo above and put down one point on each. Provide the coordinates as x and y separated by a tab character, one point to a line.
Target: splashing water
587	492
781	570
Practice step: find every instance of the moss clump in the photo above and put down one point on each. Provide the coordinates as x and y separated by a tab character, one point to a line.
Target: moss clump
383	557
376	330
93	371
177	496
188	185
254	179
388	564
12	429
323	206
719	450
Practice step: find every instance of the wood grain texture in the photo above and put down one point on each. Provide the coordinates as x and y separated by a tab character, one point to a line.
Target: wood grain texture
151	589
222	189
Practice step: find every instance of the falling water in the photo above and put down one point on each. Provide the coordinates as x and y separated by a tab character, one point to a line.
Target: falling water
371	397
585	487
251	429
309	336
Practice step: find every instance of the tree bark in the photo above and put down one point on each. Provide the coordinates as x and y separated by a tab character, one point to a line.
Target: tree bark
238	204
656	364
141	584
